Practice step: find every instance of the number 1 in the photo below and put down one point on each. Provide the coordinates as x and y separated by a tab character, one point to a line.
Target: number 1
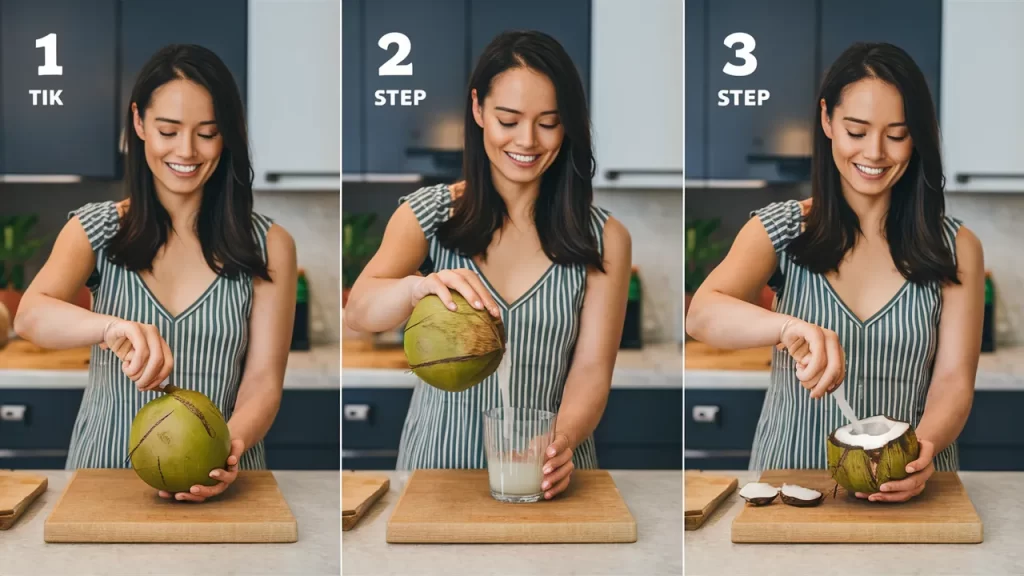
49	45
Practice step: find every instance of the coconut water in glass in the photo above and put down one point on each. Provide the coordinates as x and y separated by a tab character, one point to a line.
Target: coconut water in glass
515	440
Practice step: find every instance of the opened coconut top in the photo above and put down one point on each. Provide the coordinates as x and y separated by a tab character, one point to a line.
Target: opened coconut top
877	432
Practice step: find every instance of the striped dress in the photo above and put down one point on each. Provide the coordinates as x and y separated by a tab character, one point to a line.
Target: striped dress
445	429
889	356
208	341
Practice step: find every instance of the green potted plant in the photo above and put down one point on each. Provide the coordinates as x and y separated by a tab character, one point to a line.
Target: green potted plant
702	254
358	246
16	248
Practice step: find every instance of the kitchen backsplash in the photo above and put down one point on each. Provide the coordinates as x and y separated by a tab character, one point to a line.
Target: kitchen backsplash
311	217
994	218
652	218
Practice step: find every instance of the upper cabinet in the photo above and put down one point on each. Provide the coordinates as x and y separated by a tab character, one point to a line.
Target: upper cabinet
352	119
58	88
982	148
636	100
294	93
696	103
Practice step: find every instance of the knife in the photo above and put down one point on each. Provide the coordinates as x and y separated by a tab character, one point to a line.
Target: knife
844	406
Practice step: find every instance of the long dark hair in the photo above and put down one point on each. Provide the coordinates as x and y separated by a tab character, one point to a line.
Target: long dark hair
224	224
914	223
562	210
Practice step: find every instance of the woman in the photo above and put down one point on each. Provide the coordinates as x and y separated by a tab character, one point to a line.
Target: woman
519	237
183	272
877	288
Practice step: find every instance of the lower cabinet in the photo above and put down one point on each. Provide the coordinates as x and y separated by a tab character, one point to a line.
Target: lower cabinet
36	427
720	427
641	429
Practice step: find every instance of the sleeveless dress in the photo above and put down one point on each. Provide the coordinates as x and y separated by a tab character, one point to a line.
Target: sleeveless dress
208	341
445	429
889	356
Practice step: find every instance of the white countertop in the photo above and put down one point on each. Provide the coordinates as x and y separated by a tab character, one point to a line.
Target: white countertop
315	369
1000	370
654	366
653	497
313	496
710	551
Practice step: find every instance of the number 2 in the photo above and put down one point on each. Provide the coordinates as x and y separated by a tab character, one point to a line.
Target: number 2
394	67
49	45
746	52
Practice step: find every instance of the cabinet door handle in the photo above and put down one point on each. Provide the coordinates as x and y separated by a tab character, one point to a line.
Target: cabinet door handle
615	174
705	414
963	177
277	176
356	412
13	413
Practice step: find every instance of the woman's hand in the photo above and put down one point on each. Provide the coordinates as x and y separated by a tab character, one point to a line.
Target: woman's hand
558	466
821	363
145	356
920	471
200	493
465	281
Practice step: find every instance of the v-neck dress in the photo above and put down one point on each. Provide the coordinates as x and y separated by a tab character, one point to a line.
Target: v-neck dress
208	341
445	429
889	356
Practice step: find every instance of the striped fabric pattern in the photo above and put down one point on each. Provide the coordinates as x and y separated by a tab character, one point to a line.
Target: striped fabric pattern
889	356
208	341
445	429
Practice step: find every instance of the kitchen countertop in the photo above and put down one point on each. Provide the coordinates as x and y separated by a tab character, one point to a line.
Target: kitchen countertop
315	369
710	551
1002	370
313	496
654	366
653	497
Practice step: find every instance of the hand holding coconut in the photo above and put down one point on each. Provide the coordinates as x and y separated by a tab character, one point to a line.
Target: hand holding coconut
821	363
919	471
465	281
225	476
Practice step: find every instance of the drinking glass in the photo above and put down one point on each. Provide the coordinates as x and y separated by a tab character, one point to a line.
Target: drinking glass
515	440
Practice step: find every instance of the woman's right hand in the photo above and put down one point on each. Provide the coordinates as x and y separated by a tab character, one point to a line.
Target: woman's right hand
463	280
821	363
145	356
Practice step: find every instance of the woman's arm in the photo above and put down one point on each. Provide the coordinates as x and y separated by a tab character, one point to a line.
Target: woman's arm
270	335
951	392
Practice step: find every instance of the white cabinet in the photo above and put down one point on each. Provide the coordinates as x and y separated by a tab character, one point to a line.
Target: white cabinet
982	77
294	94
637	93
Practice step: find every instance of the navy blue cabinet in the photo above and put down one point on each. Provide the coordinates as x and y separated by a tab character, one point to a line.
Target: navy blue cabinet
696	67
914	25
353	51
58	87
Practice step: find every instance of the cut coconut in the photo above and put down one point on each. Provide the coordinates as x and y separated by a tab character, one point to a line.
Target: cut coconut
759	493
863	462
877	431
799	496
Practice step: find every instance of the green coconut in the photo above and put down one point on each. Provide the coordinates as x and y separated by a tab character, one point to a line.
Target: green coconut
453	350
177	439
879	454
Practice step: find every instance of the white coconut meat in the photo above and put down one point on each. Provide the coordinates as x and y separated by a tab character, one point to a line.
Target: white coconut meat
758	490
799	492
876	432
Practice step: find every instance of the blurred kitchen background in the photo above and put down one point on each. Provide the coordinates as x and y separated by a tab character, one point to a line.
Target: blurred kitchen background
630	58
52	162
742	158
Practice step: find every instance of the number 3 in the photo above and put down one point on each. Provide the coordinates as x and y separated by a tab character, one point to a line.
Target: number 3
393	66
745	52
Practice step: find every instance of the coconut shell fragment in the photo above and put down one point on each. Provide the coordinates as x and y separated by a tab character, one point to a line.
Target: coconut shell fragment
800	497
759	493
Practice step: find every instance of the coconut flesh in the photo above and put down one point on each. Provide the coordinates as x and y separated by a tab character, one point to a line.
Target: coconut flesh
861	462
758	493
177	439
453	350
799	496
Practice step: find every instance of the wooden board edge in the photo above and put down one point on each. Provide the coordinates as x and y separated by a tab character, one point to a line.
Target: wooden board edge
401	498
934	533
617	532
369	502
284	532
60	500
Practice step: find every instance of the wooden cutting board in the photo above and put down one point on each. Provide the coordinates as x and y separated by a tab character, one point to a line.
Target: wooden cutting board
455	506
23	355
114	505
17	491
363	353
942	514
704	492
358	493
700	356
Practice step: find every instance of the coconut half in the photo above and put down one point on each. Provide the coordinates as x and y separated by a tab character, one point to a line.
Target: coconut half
759	493
799	496
861	462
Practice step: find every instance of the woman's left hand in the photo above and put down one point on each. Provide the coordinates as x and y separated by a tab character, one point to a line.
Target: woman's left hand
200	493
902	490
558	466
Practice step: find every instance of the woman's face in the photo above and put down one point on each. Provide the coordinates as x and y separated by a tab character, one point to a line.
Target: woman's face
182	143
871	143
521	127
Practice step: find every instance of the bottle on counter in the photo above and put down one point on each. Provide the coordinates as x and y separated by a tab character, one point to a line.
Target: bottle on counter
300	329
988	331
631	329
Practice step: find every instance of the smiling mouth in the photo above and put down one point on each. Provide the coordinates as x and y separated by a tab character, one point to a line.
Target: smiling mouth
523	159
183	169
870	171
